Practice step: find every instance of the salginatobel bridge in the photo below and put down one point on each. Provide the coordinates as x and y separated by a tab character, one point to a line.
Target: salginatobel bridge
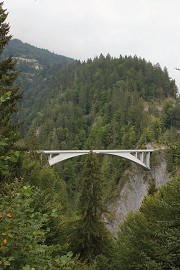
141	157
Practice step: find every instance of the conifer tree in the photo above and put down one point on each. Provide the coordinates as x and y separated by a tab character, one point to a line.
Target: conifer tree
8	99
149	238
92	237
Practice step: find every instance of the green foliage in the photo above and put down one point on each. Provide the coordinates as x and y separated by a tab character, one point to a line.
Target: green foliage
8	102
173	157
21	230
169	113
31	141
66	103
24	229
91	236
42	176
17	48
107	103
7	159
152	187
149	239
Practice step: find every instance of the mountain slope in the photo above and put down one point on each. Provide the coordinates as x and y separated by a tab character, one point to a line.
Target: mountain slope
102	103
105	103
17	48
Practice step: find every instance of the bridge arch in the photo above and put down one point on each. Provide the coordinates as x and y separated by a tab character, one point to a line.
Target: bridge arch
141	157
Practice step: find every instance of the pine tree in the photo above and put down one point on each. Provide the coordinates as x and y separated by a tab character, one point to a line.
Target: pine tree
31	140
149	239
8	100
92	236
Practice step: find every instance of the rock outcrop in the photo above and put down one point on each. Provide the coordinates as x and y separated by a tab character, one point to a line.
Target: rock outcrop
135	188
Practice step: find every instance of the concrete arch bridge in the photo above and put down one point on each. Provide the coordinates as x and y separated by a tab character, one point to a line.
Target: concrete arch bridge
141	157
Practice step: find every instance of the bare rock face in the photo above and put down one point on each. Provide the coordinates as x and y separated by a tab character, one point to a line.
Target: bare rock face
159	173
134	190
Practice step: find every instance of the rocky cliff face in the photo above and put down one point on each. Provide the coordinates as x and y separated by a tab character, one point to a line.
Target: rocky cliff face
134	190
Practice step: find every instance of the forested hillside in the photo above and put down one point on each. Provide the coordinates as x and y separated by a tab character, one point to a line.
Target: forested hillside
102	103
16	48
56	218
104	96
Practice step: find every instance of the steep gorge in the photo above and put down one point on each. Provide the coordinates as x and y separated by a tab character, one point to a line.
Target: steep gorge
135	186
103	103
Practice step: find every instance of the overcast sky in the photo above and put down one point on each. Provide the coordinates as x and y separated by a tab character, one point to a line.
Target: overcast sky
83	29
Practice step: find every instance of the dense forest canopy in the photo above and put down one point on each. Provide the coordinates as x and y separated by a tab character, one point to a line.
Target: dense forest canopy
54	218
97	96
105	103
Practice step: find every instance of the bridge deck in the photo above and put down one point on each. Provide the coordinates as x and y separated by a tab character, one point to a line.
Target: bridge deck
141	157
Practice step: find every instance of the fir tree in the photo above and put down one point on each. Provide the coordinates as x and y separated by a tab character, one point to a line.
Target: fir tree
8	100
149	239
92	237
